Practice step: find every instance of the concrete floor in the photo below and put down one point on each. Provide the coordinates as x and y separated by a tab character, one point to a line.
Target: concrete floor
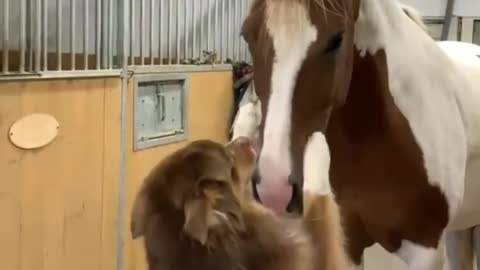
376	258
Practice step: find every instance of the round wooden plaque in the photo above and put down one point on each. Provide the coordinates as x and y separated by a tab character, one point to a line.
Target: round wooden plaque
34	131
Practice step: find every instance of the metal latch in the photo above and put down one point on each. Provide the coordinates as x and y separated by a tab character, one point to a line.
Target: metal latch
162	135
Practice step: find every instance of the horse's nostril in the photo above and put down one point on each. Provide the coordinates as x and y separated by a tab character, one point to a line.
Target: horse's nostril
296	202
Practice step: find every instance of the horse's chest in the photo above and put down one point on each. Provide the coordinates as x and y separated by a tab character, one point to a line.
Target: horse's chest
380	169
379	176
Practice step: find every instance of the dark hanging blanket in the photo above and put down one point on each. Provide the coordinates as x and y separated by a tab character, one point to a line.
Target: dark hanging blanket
242	77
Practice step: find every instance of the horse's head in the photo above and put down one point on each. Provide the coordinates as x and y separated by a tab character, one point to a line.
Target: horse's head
302	51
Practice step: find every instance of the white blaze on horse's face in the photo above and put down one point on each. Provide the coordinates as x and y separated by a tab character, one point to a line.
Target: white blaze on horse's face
292	34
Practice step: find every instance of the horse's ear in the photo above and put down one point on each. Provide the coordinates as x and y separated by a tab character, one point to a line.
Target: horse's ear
355	10
250	29
345	69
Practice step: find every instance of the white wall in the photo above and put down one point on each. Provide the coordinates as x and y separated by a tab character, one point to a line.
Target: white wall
437	7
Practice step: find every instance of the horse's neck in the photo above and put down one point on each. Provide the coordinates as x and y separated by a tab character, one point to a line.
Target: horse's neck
383	26
379	22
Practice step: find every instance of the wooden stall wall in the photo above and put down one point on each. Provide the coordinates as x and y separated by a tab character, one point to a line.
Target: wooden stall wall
58	204
210	107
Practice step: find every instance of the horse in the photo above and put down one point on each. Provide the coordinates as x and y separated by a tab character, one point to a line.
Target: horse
400	114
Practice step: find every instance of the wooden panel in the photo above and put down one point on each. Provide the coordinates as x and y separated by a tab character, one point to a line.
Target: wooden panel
210	106
52	200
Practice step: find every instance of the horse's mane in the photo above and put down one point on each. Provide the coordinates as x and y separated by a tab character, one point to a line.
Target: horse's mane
328	6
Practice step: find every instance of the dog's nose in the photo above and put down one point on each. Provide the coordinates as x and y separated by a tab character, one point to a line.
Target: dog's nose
244	141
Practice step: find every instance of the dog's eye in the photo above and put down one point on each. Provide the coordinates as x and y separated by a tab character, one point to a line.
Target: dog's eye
334	43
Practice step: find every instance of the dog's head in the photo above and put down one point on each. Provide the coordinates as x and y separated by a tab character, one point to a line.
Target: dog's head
207	182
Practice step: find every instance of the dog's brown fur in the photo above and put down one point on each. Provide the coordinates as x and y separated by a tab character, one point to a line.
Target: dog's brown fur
196	211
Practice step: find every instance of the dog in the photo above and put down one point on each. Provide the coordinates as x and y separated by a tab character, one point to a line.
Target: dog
195	210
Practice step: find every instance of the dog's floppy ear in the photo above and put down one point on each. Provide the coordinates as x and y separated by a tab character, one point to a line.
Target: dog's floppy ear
214	211
212	208
139	214
199	217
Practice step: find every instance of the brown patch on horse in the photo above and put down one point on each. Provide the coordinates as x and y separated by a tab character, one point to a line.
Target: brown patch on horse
377	167
195	212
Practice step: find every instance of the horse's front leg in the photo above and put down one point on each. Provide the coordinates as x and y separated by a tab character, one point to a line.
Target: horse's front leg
320	210
459	249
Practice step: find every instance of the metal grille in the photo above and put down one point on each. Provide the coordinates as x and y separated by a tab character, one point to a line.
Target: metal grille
166	32
42	36
74	37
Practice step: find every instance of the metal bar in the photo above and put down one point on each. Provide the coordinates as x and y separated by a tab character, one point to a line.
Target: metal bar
31	25
78	74
194	29
209	15
160	32
201	28
244	14
110	34
169	39
61	75
151	32
59	35
215	26
85	34
229	30
179	68
38	41
222	35
132	32
122	24
236	42
72	33
448	19
98	35
178	33
23	35
142	30
237	26
105	34
45	34
5	36
240	40
185	38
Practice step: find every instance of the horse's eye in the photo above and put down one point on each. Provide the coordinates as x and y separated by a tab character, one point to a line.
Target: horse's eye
334	43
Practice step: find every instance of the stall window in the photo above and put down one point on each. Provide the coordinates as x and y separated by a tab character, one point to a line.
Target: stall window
476	32
435	29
